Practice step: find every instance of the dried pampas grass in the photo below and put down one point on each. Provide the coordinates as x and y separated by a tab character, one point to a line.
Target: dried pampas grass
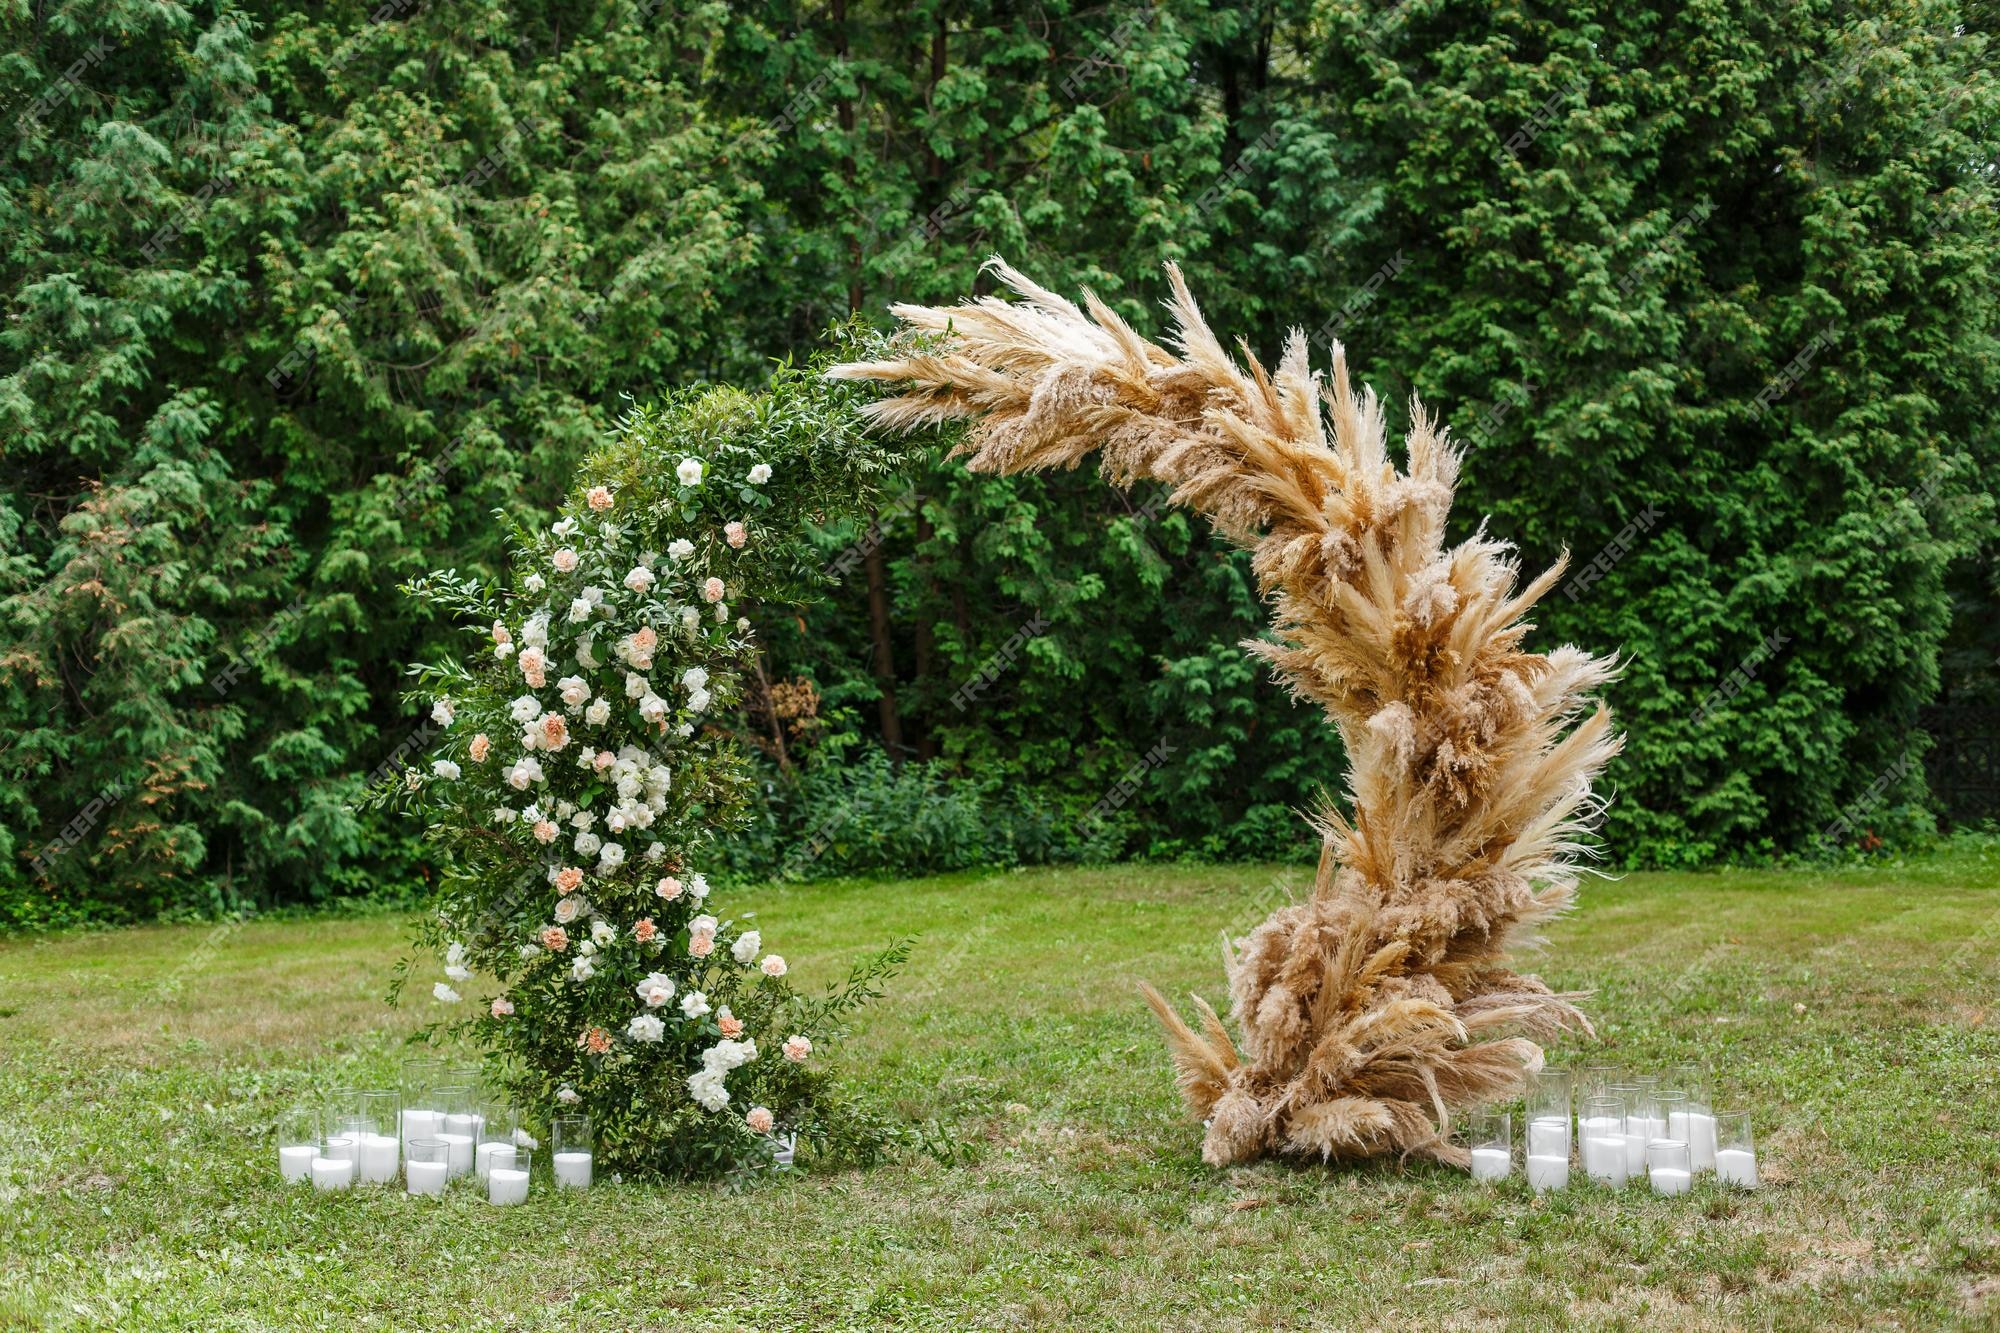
1371	1011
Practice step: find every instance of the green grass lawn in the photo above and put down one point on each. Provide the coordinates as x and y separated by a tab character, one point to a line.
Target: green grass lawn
1849	1010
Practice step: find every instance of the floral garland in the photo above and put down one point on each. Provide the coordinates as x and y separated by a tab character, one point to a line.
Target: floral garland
581	777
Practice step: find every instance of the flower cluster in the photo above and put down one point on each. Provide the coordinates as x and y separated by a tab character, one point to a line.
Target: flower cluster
580	780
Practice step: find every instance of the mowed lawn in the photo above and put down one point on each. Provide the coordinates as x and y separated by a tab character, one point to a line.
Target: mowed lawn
141	1071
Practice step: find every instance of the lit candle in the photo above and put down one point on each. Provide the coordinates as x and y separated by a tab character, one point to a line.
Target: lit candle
1737	1166
1547	1172
426	1177
573	1170
506	1185
1489	1163
296	1160
458	1152
332	1173
377	1158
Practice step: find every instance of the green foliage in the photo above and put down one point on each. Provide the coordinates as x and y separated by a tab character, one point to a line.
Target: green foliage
299	296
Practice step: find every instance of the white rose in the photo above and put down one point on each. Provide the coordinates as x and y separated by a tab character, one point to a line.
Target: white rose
640	579
697	701
645	1027
583	969
653	708
570	908
568	1096
707	1090
656	989
458	973
446	769
610	858
680	548
697	890
444	994
760	474
746	946
598	713
525	709
689	472
587	843
601	932
695	678
441	712
525	773
585	657
579	610
694	1004
637	686
575	691
535	634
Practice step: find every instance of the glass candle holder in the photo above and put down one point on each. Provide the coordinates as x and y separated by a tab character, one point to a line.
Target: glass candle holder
298	1143
1592	1080
333	1168
507	1185
1667	1166
1490	1135
1735	1150
1630	1095
1601	1127
458	1125
569	1140
1547	1102
1698	1128
428	1166
495	1138
1670	1110
420	1117
373	1125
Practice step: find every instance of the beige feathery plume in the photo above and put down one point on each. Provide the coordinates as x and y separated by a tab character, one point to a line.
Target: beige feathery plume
1373	1010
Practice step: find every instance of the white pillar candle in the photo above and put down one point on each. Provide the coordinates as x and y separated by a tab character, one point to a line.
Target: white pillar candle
295	1162
1489	1163
458	1152
505	1185
467	1125
1547	1172
1737	1166
1635	1151
332	1173
377	1159
1701	1140
573	1170
1548	1137
339	1149
1604	1159
426	1177
419	1124
490	1154
1671	1180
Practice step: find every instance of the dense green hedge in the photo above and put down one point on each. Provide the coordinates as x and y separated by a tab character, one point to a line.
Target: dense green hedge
300	296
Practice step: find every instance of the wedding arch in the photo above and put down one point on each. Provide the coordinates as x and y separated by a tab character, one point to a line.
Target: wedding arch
1372	1010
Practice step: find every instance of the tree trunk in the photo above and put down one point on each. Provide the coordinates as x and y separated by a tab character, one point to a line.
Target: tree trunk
885	654
926	741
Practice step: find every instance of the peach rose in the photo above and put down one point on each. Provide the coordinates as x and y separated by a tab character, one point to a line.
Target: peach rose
502	1006
501	634
735	534
603	760
773	965
643	930
565	560
555	731
595	1040
701	946
555	939
600	498
546	830
569	879
730	1024
533	663
480	748
797	1048
712	589
668	888
759	1119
